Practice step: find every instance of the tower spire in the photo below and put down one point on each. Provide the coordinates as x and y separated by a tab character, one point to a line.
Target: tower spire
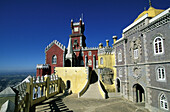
150	4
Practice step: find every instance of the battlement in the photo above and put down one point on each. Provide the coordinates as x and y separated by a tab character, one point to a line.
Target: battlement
56	43
42	66
105	50
89	48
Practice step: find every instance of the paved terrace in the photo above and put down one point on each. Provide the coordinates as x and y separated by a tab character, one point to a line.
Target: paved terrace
62	103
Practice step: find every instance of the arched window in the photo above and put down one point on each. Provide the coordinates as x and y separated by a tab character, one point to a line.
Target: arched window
54	59
101	61
161	76
158	45
119	56
89	62
163	102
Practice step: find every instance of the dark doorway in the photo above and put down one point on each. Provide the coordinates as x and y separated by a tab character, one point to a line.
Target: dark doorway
118	85
68	84
68	63
138	93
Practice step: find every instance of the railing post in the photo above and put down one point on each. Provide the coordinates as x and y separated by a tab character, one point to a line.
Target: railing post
47	79
31	92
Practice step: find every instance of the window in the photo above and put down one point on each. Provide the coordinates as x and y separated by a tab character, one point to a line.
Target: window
89	53
75	42
76	29
161	74
119	57
163	102
158	45
120	72
54	59
101	61
89	62
135	54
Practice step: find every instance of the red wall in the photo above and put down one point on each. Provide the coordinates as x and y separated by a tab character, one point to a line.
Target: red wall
78	41
94	52
54	50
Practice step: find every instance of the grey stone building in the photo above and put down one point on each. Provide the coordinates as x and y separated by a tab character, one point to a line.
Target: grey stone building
142	59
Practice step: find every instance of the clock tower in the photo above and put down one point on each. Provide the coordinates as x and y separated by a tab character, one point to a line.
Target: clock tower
77	36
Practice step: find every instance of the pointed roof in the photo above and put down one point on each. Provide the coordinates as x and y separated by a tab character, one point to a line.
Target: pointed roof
152	12
7	92
69	49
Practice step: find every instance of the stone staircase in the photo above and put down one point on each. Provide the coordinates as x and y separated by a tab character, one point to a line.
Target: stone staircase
92	92
113	95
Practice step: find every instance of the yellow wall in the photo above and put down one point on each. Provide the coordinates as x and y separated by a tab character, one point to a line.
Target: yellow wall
76	75
108	62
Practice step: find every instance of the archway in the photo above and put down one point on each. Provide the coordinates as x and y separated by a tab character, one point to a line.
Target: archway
68	63
118	85
138	93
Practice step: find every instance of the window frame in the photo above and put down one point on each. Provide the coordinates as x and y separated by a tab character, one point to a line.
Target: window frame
101	61
119	57
160	71
157	46
54	59
163	102
89	53
136	53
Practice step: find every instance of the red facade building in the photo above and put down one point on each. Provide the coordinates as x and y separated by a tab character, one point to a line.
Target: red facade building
76	54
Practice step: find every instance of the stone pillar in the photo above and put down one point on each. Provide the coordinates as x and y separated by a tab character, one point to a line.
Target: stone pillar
100	45
114	39
107	43
143	97
138	94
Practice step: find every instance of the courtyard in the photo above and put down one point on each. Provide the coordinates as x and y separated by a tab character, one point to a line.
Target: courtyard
70	103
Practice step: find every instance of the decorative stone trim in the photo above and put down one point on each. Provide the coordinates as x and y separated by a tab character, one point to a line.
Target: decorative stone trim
42	66
56	43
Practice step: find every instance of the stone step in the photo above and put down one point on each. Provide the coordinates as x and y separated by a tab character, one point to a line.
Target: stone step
112	95
92	92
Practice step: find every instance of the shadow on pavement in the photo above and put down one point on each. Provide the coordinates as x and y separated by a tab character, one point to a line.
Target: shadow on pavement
54	104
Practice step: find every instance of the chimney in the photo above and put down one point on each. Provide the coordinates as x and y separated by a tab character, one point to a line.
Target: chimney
107	43
114	39
100	45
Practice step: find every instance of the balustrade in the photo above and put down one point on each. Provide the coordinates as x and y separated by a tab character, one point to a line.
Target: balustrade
35	90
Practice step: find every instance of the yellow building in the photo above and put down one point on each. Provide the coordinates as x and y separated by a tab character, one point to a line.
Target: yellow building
106	61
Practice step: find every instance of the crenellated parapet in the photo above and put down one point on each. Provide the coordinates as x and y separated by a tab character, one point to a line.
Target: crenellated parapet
43	66
56	43
89	48
105	50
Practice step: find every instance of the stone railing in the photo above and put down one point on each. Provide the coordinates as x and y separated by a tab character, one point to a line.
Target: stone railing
31	91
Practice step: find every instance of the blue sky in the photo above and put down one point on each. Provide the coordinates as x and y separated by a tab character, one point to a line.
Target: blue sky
28	26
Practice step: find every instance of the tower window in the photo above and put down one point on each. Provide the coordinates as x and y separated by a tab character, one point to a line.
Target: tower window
163	102
158	45
89	53
161	76
76	29
75	42
54	59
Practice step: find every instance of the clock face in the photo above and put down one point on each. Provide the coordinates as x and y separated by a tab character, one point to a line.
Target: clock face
76	29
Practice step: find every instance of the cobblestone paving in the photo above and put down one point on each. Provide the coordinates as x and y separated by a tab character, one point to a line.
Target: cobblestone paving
71	103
